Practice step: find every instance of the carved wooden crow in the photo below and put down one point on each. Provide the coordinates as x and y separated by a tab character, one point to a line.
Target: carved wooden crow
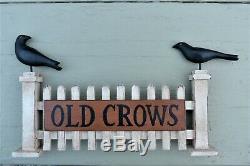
201	55
30	56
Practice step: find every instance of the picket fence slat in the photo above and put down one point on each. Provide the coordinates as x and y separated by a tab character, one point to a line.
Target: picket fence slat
106	96
166	138
91	134
135	95
120	90
75	95
47	134
151	134
182	142
61	144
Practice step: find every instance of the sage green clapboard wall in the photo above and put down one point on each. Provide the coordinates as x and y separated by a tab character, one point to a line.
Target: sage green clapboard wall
130	43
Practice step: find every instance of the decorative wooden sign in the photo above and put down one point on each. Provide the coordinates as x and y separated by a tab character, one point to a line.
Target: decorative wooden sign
69	116
112	115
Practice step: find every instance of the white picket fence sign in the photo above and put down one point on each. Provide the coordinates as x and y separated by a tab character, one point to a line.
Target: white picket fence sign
35	139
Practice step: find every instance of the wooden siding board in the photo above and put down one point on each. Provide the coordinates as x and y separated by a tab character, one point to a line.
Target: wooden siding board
142	35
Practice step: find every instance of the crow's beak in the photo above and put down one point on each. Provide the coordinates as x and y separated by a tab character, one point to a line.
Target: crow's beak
27	37
174	46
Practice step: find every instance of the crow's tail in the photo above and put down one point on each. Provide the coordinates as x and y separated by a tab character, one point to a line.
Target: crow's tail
54	64
57	68
228	57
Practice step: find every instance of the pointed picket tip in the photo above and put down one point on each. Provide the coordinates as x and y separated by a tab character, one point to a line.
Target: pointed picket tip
164	87
75	93
151	85
135	94
47	92
120	92
165	92
151	92
105	88
135	87
91	88
91	92
181	92
120	87
120	84
46	86
61	93
105	93
60	88
75	86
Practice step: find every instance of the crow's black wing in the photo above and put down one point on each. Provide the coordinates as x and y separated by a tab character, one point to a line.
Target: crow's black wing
37	53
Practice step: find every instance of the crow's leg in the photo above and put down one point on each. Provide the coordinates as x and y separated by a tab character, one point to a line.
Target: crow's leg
199	66
31	70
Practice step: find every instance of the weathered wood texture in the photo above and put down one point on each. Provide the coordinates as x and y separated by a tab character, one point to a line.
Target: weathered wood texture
135	95
91	134
61	143
166	137
30	96
46	134
182	142
138	37
75	95
199	79
120	95
30	118
151	134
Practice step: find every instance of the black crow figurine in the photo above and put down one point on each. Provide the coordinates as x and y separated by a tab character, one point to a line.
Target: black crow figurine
201	55
31	57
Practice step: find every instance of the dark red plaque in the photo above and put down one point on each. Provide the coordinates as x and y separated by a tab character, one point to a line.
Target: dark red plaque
114	115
